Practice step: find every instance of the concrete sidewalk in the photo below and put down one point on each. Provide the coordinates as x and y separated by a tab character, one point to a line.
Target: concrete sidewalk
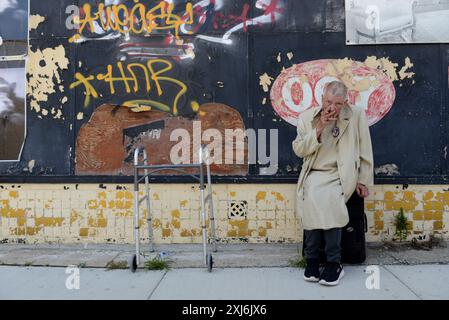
244	271
190	255
396	283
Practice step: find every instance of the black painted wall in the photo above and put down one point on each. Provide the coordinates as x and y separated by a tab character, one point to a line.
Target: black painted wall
413	135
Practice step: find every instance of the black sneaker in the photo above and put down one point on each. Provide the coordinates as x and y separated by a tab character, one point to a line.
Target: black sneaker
312	272
332	273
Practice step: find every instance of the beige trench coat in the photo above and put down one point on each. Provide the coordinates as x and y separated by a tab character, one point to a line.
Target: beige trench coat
355	156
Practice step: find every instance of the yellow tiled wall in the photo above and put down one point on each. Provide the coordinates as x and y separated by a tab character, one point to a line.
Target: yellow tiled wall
38	213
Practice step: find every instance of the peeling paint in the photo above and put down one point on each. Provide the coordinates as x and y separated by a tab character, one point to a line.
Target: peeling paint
278	196
384	64
390	68
265	81
14	194
44	74
34	21
261	195
403	72
183	203
101	214
342	69
58	114
176	214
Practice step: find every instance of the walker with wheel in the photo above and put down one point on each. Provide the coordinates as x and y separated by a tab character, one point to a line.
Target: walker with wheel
152	169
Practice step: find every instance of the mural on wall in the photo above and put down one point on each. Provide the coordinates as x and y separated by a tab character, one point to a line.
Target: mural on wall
13	28
12	112
102	81
397	21
300	87
155	46
169	20
13	46
106	143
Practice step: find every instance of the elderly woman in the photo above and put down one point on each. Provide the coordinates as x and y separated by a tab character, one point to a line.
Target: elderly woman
335	144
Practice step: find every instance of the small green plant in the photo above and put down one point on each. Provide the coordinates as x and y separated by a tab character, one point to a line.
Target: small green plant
82	265
157	264
28	264
299	262
401	223
112	265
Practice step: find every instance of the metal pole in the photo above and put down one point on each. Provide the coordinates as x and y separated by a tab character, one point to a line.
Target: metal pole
148	202
203	212
212	215
211	205
136	205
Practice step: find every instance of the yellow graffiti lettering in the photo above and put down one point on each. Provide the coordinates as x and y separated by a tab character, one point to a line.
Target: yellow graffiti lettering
122	24
137	19
140	8
145	71
88	18
109	78
146	105
108	22
90	90
154	71
156	78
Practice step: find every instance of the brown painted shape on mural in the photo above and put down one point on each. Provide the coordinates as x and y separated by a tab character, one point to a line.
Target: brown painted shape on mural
106	143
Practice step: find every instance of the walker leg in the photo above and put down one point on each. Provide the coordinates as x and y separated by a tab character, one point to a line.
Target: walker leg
149	214
204	227
211	208
210	262
133	263
203	208
136	218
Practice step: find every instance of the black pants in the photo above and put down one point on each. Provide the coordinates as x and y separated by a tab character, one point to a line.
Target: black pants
332	239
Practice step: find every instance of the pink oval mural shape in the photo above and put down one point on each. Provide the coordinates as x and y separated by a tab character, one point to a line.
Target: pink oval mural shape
300	87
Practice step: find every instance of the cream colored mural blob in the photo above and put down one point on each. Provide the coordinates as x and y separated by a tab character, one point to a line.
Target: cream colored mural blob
44	75
265	81
34	21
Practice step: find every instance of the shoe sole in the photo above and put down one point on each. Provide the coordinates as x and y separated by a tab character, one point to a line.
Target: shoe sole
334	283
311	279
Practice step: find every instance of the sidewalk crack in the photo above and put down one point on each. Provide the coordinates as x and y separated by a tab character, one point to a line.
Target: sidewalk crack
157	285
417	295
110	261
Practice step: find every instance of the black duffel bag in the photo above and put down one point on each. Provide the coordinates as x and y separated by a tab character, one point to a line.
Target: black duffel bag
353	241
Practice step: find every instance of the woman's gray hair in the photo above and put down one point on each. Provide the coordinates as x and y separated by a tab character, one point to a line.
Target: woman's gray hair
336	88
